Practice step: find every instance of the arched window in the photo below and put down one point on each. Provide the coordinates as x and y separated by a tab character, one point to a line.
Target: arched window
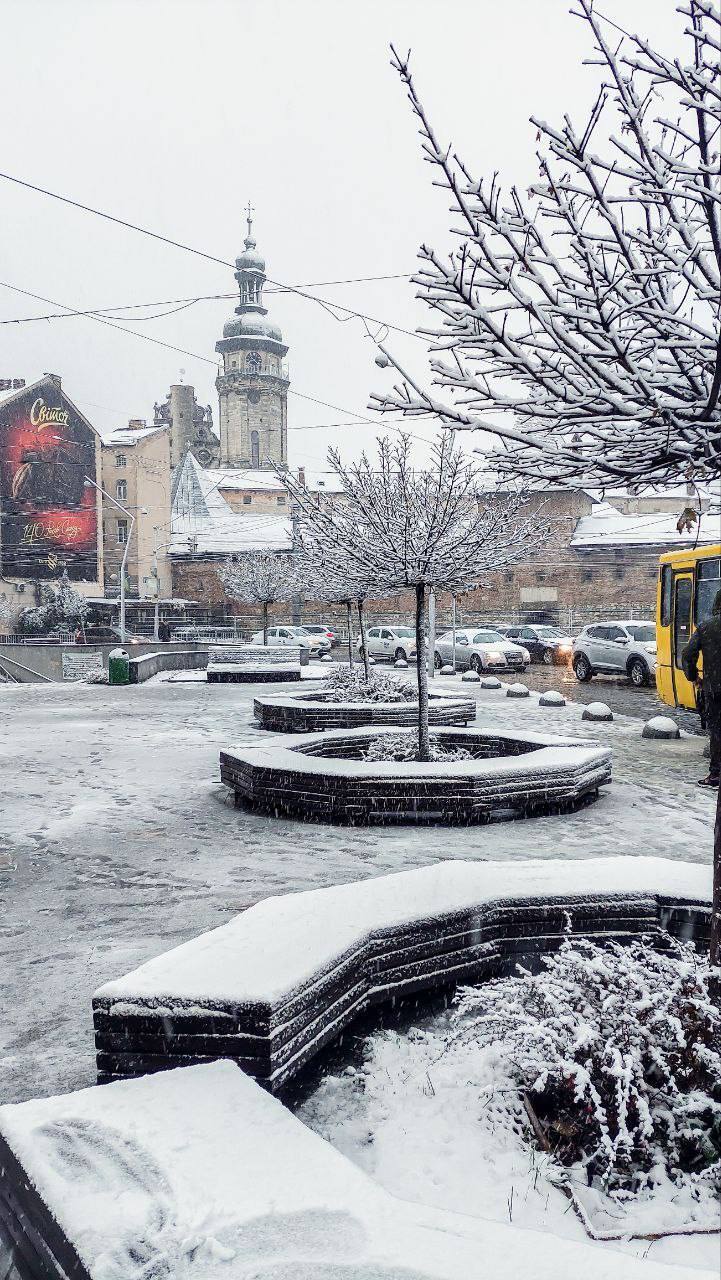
252	362
254	449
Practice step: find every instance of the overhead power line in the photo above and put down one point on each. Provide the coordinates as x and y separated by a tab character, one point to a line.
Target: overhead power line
300	291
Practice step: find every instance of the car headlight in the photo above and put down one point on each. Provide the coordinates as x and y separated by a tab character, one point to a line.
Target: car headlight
525	655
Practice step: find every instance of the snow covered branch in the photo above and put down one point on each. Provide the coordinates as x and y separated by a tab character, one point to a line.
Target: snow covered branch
578	321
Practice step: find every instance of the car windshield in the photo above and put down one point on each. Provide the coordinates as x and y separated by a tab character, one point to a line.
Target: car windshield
643	633
402	631
552	632
488	637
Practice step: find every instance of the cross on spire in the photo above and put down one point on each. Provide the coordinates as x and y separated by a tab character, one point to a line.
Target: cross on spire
250	211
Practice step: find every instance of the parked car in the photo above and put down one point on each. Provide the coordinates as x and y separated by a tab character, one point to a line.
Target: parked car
296	636
109	635
321	630
393	643
616	648
482	650
545	643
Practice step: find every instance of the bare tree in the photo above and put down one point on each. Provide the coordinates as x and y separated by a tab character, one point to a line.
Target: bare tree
322	573
398	527
578	321
259	577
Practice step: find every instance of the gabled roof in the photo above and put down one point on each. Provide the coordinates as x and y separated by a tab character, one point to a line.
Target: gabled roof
202	523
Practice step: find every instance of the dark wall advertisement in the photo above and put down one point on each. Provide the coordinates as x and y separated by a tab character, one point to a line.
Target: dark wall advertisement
48	511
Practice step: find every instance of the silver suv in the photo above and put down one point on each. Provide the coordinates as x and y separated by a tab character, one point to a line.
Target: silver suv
613	648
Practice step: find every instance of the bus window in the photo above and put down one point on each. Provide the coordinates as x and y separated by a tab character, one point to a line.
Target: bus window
708	584
682	618
666	574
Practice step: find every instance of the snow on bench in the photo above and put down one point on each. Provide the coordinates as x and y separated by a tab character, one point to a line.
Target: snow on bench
255	662
274	985
201	1175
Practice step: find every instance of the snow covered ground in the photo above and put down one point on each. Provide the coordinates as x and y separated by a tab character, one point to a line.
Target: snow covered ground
117	841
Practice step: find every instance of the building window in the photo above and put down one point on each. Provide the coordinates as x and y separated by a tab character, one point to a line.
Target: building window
247	499
252	362
121	460
281	500
587	575
254	449
122	532
121	489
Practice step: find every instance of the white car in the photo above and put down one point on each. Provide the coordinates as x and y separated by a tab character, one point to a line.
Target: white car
481	649
616	648
294	636
393	643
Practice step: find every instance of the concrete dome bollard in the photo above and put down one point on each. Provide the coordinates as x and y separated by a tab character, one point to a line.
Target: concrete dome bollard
400	663
660	727
448	670
597	711
471	676
518	691
490	682
326	657
552	698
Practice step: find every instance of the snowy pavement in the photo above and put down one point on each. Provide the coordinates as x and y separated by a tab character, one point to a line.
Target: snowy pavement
117	841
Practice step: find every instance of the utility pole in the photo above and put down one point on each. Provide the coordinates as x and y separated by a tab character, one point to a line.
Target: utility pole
131	518
156	615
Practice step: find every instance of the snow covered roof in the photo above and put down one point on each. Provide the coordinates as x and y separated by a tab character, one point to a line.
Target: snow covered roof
267	481
607	526
202	523
129	436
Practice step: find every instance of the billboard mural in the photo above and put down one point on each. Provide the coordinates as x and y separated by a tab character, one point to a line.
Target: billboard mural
48	509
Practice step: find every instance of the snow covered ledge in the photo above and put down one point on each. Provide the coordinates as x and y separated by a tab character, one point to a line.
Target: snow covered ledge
200	1175
326	777
310	712
277	983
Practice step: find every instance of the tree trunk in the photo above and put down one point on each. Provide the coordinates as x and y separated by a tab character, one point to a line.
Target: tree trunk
424	746
364	647
265	622
350	631
715	945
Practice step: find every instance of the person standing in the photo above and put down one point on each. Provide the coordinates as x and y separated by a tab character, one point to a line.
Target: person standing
706	643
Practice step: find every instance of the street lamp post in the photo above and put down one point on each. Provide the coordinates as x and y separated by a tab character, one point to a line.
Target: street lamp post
131	518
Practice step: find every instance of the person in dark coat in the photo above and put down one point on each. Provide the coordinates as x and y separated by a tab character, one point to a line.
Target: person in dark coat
706	642
163	631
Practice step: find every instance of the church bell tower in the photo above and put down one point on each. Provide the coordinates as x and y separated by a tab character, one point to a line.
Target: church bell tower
253	386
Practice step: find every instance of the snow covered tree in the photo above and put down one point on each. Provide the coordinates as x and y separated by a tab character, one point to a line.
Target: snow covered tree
260	578
578	320
322	573
7	612
60	605
399	527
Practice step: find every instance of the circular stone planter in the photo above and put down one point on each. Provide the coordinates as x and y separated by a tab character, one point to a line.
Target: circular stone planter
597	711
309	712
660	727
327	778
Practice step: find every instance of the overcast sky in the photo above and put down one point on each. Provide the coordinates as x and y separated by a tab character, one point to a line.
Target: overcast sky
173	115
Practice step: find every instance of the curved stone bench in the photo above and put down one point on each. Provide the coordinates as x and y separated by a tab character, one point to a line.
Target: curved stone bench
287	977
308	713
255	663
325	777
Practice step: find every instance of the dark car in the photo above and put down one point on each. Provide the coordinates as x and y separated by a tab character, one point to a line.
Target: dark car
98	634
545	643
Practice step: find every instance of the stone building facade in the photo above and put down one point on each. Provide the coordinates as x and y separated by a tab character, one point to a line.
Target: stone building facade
136	474
253	385
190	425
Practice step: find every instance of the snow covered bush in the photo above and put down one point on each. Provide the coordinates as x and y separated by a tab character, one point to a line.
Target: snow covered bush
617	1049
403	747
61	605
350	684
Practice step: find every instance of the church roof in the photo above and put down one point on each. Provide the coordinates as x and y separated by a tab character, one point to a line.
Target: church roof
202	523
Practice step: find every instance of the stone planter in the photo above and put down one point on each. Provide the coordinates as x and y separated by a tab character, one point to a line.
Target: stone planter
326	777
277	983
310	712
